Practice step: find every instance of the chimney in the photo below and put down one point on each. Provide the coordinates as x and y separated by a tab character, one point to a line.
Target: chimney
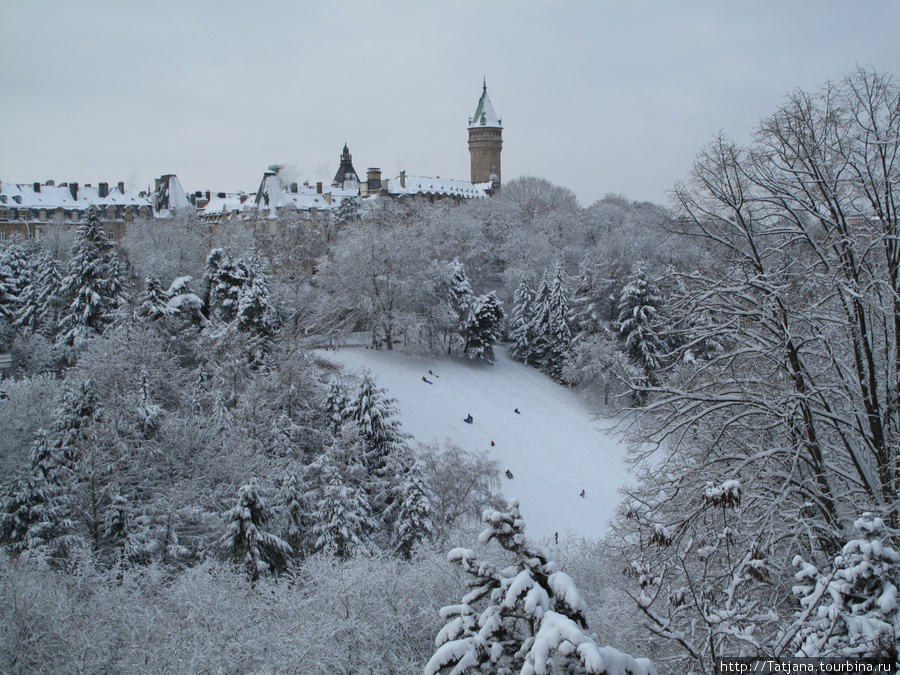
122	186
294	188
50	183
207	195
327	196
319	188
373	179
403	179
73	188
37	187
102	190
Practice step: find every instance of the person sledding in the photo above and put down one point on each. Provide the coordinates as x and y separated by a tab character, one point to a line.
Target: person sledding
432	374
509	474
425	379
517	411
468	419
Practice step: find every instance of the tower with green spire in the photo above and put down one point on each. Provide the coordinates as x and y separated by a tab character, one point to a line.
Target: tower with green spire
485	142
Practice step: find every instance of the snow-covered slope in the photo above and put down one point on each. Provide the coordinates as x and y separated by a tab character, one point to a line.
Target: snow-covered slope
554	447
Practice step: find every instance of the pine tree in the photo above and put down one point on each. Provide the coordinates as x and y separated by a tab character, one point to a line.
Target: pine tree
520	321
586	312
9	299
257	551
224	279
484	327
637	321
519	613
414	522
92	289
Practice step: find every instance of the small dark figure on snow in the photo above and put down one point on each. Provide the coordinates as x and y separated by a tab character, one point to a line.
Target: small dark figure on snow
556	537
517	411
430	373
492	444
469	419
582	493
426	381
509	474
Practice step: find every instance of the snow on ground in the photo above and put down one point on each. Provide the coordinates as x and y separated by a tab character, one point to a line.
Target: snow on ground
554	448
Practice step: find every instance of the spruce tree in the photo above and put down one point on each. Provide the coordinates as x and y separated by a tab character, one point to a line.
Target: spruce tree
484	327
258	552
520	321
153	302
39	301
638	323
522	615
550	325
342	515
459	297
375	415
414	522
92	289
296	514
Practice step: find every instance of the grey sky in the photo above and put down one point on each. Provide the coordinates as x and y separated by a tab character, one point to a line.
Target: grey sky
596	96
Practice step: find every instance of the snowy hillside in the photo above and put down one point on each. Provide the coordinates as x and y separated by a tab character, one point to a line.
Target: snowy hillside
554	447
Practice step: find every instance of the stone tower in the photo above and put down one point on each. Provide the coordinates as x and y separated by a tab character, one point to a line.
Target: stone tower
485	142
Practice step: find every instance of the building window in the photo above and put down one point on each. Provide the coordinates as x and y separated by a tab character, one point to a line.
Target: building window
3	234
4	215
110	234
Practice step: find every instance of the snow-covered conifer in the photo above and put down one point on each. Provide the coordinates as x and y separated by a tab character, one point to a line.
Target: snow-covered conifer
255	313
373	411
335	403
39	304
296	514
520	321
414	522
851	609
153	302
484	327
257	551
637	320
523	615
550	325
342	518
92	289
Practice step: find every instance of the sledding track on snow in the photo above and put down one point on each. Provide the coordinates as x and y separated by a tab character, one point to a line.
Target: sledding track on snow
554	448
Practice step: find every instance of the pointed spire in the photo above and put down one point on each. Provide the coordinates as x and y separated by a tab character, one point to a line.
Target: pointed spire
484	114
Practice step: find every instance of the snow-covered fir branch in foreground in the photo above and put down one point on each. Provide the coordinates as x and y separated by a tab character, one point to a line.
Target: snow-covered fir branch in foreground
526	617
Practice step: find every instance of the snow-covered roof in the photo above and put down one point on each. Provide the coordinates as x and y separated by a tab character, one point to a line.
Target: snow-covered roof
484	114
52	197
272	196
444	187
226	202
170	196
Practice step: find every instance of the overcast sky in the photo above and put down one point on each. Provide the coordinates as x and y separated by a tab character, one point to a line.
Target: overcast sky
600	97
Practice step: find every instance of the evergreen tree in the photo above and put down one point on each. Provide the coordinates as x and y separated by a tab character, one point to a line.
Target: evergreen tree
39	304
518	613
9	299
550	325
336	402
257	551
375	414
92	289
224	279
520	321
255	313
637	321
35	514
414	522
484	327
586	312
342	515
153	303
851	610
458	296
296	511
